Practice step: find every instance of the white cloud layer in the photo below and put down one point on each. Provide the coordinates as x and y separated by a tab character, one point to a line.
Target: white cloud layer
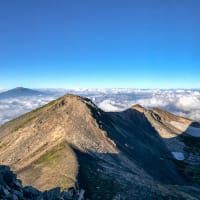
12	108
181	102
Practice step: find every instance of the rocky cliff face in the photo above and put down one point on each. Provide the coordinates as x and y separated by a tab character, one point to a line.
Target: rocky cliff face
125	155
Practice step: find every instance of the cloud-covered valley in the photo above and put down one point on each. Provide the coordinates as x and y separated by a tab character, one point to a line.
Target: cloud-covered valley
181	102
13	107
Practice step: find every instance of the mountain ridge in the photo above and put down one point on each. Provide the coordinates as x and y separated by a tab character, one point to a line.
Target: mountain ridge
93	147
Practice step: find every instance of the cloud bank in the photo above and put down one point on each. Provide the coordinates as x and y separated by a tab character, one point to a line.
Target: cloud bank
12	108
181	102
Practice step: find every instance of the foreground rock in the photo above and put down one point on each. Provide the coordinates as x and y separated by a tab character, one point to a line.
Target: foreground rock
11	189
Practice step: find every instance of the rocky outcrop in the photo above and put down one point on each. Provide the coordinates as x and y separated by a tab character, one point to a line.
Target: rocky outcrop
11	189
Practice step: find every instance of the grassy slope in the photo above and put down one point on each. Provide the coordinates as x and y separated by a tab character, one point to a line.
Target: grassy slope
57	168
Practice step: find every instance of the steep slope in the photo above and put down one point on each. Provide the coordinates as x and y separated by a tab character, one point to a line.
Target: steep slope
19	92
70	140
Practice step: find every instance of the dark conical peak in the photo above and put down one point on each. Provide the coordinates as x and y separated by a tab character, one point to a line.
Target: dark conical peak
20	88
23	89
18	92
139	108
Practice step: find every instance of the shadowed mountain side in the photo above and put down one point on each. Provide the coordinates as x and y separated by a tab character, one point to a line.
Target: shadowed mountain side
135	137
111	182
190	164
110	154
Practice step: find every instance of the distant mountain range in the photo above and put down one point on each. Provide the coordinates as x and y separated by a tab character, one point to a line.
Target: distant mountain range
19	92
136	154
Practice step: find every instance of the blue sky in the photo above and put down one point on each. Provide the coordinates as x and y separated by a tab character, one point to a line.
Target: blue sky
100	43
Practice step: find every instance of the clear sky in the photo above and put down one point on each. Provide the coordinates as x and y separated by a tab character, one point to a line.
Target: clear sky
100	43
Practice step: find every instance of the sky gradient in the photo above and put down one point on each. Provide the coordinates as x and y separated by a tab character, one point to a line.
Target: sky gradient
100	43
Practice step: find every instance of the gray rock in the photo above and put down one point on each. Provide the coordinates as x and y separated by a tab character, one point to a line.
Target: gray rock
66	196
9	177
1	179
18	183
19	194
5	191
52	194
81	195
30	192
11	197
39	197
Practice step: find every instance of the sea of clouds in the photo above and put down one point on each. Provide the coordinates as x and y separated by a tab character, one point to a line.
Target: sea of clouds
181	102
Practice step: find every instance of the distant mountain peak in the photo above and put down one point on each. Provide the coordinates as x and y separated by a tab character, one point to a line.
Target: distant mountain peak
19	88
22	89
18	92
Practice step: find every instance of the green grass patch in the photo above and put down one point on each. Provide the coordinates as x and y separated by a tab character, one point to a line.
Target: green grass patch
23	124
3	145
51	156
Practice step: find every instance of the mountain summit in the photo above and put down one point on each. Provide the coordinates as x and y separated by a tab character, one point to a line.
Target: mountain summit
122	155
